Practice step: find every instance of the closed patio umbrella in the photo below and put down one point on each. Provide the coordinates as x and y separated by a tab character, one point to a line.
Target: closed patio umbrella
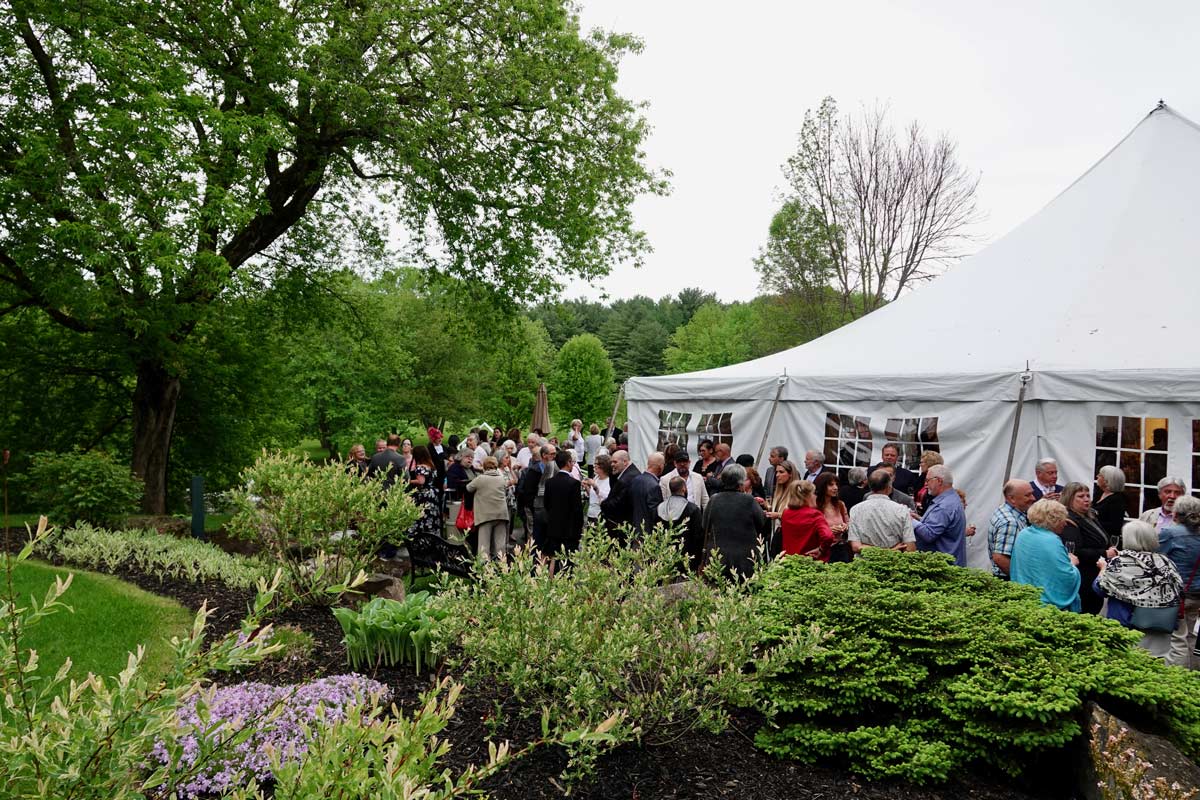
541	411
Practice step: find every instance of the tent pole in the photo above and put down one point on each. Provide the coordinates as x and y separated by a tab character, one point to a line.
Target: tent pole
616	405
1026	377
770	419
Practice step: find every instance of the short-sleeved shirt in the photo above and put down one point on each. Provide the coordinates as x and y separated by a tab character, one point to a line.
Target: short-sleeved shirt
1005	524
879	522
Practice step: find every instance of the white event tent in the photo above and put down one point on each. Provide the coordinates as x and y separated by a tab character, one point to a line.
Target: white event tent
1092	306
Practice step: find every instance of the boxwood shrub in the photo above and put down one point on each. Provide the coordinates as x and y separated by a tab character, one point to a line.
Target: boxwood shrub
929	667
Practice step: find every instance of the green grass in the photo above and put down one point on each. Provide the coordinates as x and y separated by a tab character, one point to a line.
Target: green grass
21	520
111	618
214	522
312	450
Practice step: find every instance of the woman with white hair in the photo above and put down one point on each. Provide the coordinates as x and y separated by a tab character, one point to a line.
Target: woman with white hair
733	523
1142	586
1040	558
1111	506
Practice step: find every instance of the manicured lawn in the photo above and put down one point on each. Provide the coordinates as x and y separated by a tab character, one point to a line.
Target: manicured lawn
311	448
21	520
111	618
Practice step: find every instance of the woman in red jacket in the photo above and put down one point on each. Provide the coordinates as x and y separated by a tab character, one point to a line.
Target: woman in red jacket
805	530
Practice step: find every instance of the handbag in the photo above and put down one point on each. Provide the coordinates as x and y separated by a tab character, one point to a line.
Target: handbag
465	520
1154	620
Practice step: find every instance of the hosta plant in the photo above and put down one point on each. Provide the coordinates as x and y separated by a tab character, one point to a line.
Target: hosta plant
390	632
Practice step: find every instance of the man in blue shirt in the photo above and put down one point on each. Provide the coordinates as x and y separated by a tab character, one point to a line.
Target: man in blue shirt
944	526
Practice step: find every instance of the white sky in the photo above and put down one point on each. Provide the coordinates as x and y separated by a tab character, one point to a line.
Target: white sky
1033	92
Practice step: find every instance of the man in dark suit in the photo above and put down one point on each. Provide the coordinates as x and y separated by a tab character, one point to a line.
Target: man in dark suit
389	462
1045	482
563	501
905	480
616	508
645	494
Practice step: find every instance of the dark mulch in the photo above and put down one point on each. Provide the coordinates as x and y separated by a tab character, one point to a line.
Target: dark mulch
698	766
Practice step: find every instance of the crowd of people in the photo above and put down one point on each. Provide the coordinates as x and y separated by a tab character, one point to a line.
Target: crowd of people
541	490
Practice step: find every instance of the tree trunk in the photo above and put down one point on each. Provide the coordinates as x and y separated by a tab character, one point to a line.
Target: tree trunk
155	399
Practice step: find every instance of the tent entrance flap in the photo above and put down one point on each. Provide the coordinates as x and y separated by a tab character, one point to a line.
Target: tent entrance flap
770	418
1026	377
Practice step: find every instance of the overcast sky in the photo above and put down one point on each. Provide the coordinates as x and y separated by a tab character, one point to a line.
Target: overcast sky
1033	92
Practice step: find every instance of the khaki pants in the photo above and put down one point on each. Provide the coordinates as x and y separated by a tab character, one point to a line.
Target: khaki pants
1183	640
493	539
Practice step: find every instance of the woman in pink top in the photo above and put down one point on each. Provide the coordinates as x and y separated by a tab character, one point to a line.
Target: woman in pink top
806	532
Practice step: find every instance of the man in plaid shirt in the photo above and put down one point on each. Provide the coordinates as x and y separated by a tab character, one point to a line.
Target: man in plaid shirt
1007	521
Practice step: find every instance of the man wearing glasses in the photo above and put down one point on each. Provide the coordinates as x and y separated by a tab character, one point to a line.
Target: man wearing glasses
943	529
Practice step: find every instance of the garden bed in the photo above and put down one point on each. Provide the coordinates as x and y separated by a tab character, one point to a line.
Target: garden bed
699	765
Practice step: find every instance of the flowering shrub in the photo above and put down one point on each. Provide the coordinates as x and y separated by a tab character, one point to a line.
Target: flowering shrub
153	553
320	523
277	720
389	632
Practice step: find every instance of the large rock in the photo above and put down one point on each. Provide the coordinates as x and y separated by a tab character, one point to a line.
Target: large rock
1146	764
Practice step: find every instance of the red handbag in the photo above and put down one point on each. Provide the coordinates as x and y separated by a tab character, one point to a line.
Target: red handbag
465	519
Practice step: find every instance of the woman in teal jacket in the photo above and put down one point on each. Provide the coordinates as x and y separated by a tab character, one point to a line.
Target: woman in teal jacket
1040	558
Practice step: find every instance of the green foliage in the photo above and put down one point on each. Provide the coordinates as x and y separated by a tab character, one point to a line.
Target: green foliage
389	632
151	171
322	524
90	740
109	619
153	553
610	636
931	667
715	336
519	357
82	487
582	383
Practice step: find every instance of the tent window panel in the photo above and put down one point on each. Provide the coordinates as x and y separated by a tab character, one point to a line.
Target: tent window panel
1138	445
912	436
717	427
1196	457
848	442
673	428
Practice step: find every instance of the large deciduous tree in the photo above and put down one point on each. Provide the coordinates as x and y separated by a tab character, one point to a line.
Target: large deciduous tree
156	153
868	210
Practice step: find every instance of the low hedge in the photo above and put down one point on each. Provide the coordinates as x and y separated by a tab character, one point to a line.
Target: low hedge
153	553
929	667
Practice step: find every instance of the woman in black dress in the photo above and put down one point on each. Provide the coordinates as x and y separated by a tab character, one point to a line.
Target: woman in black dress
1110	505
1086	539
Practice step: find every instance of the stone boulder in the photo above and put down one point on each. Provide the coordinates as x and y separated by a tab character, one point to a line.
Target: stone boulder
1142	764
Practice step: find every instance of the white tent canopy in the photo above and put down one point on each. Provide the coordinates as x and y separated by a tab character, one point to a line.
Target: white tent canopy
1096	293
